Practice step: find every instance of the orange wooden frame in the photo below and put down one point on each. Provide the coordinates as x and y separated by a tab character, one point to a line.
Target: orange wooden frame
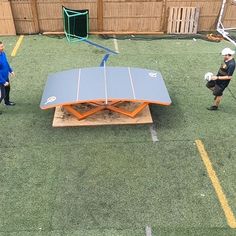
99	106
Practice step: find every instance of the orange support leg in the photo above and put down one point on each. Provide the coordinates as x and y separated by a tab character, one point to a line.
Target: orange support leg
131	114
102	106
81	116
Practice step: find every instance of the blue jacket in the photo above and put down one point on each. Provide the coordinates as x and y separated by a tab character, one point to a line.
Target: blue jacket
5	68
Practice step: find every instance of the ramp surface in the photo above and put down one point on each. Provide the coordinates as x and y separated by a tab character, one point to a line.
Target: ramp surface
103	84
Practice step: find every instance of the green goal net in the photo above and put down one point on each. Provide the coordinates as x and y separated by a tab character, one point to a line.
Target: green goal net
76	24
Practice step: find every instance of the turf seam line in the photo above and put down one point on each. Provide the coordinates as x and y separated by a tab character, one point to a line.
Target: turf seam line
62	229
148	231
116	44
18	43
57	191
40	145
153	130
216	184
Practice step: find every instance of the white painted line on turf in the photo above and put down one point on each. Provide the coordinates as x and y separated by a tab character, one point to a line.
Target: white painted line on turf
153	130
148	231
116	44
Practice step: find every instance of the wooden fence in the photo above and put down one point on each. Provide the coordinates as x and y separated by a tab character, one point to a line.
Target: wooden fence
7	26
136	16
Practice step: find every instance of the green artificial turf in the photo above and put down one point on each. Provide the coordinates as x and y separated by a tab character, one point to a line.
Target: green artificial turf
114	180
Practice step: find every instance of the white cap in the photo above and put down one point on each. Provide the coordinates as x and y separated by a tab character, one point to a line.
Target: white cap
227	51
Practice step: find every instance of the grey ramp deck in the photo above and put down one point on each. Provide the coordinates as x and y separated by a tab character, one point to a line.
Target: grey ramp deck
103	84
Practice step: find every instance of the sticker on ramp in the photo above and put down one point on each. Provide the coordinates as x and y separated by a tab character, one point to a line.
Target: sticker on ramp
152	74
50	99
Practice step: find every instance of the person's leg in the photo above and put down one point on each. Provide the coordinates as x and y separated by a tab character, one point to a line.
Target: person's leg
2	94
7	98
217	92
211	85
217	101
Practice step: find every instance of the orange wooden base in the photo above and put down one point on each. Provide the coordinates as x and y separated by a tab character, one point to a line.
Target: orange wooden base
63	118
99	106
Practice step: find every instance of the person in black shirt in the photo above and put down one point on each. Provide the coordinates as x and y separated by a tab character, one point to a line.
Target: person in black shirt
219	82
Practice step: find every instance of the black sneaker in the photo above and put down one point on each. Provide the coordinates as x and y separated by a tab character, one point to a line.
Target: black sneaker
10	104
212	108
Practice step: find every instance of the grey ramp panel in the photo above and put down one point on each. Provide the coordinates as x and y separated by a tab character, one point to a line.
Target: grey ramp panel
149	85
63	86
92	84
118	83
87	84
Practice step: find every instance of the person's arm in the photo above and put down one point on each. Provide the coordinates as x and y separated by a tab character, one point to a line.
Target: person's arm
2	80
9	67
10	70
230	72
225	77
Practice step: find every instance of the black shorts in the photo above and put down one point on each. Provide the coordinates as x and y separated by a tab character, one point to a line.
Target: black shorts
217	90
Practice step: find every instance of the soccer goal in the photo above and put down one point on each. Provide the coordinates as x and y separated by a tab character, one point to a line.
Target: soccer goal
76	24
228	33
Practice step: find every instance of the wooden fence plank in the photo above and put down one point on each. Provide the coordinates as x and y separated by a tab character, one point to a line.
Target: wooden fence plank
7	26
187	21
170	20
183	20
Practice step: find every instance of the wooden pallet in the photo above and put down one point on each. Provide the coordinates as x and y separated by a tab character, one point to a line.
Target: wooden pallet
183	20
62	118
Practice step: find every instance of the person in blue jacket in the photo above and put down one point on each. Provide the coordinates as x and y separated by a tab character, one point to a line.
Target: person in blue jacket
3	83
5	72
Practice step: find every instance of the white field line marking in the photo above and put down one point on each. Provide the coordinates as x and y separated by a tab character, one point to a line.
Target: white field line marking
78	85
148	231
105	78
116	44
153	130
131	81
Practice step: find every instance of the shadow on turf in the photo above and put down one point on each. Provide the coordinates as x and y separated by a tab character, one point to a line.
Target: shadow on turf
171	116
